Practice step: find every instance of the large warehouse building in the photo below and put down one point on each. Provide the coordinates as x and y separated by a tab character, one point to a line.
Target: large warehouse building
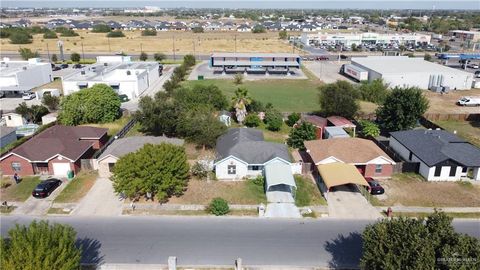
119	72
347	39
20	76
255	62
416	72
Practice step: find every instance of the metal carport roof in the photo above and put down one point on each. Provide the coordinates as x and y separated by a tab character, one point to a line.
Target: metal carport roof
279	173
337	174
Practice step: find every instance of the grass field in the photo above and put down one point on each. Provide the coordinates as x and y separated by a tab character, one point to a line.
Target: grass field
134	42
307	193
409	189
113	127
77	188
239	192
20	192
468	130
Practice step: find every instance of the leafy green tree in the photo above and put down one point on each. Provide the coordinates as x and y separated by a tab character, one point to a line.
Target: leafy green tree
149	32
115	34
40	246
292	119
159	57
300	134
75	57
159	169
189	60
238	79
143	56
26	53
199	125
426	245
201	94
283	34
170	85
259	29
197	29
273	119
20	37
240	102
65	32
101	28
97	104
427	57
158	116
375	91
32	114
49	35
339	98
369	128
355	47
218	207
51	102
179	73
252	120
255	106
402	109
54	58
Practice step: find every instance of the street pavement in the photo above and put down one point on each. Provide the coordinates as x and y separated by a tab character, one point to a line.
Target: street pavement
219	241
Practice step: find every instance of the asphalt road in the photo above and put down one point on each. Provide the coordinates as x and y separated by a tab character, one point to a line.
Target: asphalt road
219	241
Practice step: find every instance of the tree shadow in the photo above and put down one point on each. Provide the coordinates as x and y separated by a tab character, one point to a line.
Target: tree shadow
90	251
346	251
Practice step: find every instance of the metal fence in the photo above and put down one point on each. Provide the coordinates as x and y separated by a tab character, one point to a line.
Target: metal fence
119	135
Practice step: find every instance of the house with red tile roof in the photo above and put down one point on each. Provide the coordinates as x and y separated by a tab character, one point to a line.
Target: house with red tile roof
54	151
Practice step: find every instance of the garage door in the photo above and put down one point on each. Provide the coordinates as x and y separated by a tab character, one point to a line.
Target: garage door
61	169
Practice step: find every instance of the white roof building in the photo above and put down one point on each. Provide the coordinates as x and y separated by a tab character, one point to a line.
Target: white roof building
415	72
119	72
348	39
24	75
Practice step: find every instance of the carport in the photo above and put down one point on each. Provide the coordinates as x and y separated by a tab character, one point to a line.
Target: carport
280	191
338	174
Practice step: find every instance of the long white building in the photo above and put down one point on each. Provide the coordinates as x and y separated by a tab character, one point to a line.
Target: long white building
119	72
348	39
413	72
20	76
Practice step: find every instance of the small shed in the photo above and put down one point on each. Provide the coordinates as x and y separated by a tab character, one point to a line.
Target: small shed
342	122
8	135
335	132
337	174
14	120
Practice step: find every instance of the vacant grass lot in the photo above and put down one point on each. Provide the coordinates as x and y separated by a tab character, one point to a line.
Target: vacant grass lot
239	192
113	127
307	193
77	188
468	130
20	192
412	190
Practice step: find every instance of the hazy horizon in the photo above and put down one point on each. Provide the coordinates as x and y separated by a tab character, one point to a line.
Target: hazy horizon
266	4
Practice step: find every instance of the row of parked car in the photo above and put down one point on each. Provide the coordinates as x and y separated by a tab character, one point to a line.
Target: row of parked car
63	66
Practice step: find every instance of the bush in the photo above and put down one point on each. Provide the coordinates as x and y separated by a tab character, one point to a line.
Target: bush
252	120
218	207
149	32
51	102
199	170
159	57
258	29
50	35
238	79
259	181
369	128
143	56
26	53
197	29
189	60
54	58
116	34
375	91
273	120
101	28
292	119
256	106
75	57
65	32
20	38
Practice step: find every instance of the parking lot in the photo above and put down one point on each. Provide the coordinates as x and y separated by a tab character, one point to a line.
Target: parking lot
326	71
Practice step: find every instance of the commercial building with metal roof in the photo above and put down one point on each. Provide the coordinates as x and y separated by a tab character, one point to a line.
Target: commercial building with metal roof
21	76
414	72
255	62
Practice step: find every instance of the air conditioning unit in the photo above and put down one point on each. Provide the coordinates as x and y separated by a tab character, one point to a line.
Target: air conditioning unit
105	64
128	72
82	72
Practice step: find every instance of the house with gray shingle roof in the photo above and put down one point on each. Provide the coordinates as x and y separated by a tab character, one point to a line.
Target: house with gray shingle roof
119	148
243	153
443	156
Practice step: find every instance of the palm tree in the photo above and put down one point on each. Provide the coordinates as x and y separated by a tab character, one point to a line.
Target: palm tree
240	102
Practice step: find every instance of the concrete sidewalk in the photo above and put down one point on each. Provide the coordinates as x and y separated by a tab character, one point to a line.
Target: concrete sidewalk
419	209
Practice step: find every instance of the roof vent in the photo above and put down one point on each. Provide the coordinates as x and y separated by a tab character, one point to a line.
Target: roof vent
24	68
105	64
128	72
82	72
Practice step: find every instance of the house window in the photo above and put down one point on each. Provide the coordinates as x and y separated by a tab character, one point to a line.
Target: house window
110	167
232	169
9	117
16	166
438	171
83	86
254	168
378	168
453	170
464	169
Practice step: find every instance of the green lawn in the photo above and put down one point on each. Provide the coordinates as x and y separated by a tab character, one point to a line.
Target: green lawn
77	188
307	193
22	191
285	95
468	130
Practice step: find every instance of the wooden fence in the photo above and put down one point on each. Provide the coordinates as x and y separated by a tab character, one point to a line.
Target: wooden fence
119	135
401	165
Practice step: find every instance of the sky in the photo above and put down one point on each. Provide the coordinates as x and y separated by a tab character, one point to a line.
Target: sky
265	4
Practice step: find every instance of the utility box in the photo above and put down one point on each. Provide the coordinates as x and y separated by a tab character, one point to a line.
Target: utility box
200	77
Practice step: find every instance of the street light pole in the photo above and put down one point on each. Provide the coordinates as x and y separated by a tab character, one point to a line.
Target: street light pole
48	52
173	40
83	53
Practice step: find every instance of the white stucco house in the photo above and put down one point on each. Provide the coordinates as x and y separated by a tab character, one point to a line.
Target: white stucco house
14	120
21	76
442	155
243	153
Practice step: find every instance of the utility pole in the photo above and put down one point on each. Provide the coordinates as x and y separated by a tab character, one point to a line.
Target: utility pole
235	37
48	52
109	48
194	48
173	40
83	53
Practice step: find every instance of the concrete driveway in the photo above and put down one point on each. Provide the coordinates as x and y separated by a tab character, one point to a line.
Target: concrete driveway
326	71
101	200
38	207
282	210
348	202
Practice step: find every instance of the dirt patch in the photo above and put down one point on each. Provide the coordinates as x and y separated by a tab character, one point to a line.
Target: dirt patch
447	103
412	190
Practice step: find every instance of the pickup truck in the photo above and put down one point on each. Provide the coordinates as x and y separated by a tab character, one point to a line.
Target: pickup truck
469	101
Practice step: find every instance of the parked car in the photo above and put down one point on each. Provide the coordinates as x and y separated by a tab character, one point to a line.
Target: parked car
323	57
45	188
55	68
374	187
472	65
343	56
77	66
28	95
64	65
469	101
123	98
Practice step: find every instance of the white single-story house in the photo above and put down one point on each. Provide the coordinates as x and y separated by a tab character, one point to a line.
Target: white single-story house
14	120
442	155
243	153
106	161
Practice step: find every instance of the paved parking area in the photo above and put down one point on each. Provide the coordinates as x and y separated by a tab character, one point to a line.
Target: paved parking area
326	71
347	202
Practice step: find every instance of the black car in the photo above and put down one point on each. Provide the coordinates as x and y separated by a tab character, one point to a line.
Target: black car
56	68
64	65
343	56
374	187
77	66
45	188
